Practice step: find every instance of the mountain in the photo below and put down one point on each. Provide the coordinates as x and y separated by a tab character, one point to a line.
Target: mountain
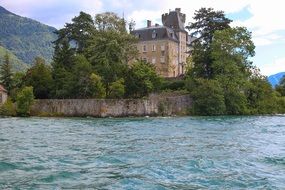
275	79
26	38
17	65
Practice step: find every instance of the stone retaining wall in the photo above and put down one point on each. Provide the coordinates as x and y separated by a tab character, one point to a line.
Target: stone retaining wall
152	106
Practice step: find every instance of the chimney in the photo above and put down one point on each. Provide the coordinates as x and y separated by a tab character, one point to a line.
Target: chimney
148	23
178	10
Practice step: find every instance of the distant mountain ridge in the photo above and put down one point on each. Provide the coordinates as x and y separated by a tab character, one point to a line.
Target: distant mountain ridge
26	38
275	79
17	65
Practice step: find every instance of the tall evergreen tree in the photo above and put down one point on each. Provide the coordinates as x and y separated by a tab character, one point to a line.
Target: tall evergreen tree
6	73
207	21
40	78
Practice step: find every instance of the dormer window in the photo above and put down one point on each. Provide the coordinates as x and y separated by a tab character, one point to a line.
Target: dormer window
154	34
138	35
171	34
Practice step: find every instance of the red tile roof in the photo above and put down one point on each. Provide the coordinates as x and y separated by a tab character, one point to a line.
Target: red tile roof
2	89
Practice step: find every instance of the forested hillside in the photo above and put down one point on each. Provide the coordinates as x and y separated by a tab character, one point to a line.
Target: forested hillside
26	38
17	65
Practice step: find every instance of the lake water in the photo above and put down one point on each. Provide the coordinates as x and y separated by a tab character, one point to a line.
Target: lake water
143	153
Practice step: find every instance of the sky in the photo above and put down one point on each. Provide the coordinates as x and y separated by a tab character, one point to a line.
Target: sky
265	19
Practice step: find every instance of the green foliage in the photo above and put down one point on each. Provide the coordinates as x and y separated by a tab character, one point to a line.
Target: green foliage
64	82
87	46
142	79
16	64
17	83
230	51
40	78
117	89
24	101
81	71
25	37
6	74
207	22
261	97
208	97
174	85
8	108
97	88
280	101
281	87
223	72
77	33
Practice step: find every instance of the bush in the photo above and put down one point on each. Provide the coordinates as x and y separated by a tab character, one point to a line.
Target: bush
24	101
117	89
97	88
141	80
173	85
8	108
208	97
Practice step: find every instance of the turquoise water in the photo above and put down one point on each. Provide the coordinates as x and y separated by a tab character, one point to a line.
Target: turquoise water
143	153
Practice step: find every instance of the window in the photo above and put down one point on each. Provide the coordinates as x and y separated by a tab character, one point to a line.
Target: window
153	48
144	59
144	48
163	53
162	48
138	35
162	60
171	34
154	34
153	60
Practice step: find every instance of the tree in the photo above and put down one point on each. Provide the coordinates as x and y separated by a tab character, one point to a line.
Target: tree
141	80
230	52
261	97
96	87
81	71
17	83
208	97
110	21
77	33
40	78
117	89
63	84
281	86
24	101
6	73
207	21
85	46
8	108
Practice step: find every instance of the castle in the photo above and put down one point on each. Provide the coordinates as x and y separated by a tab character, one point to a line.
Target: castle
166	46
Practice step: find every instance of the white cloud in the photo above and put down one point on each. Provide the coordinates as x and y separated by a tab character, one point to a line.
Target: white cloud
267	16
277	66
188	7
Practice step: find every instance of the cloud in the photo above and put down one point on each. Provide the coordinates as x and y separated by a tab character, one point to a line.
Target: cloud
276	66
141	15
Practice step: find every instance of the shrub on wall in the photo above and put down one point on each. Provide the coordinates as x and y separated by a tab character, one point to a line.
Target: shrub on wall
117	89
24	101
8	108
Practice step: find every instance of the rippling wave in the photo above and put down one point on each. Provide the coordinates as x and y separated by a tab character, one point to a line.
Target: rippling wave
143	153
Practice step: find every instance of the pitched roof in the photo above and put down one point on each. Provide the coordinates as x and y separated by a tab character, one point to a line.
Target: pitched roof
2	89
155	33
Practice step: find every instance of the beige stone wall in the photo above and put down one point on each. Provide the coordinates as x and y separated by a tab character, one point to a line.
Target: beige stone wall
152	106
163	54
